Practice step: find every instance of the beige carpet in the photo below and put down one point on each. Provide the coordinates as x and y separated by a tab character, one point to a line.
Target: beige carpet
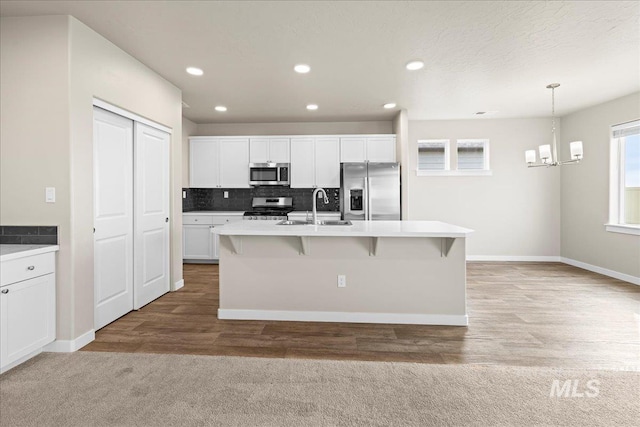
115	389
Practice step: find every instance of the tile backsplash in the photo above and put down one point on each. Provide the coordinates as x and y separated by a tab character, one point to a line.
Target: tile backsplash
212	199
28	235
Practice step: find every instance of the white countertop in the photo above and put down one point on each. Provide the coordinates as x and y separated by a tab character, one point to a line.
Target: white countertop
213	213
9	252
358	229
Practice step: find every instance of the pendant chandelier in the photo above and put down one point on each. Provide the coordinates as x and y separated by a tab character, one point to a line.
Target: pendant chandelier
549	153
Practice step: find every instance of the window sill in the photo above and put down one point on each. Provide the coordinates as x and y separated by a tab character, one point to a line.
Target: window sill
485	172
623	228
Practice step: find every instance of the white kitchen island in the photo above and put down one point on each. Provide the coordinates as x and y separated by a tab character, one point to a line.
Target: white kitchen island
411	272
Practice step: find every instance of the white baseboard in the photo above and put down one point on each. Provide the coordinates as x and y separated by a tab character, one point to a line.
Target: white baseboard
69	346
19	361
605	271
338	316
179	284
521	258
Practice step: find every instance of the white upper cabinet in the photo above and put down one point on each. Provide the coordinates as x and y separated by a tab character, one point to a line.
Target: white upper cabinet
269	150
368	149
219	162
327	153
315	162
303	163
381	149
234	162
203	155
353	150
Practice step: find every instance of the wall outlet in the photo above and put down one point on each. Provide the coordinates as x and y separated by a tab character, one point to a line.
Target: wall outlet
342	281
226	195
50	195
184	194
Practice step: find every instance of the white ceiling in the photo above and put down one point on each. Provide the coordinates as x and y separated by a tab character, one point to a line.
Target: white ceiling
479	55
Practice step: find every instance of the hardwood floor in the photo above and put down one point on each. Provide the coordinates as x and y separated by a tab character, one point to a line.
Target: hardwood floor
526	314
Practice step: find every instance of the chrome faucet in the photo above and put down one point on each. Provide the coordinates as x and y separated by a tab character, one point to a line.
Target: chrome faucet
315	201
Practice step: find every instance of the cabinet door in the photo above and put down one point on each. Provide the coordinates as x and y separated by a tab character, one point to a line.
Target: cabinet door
381	149
27	317
279	150
327	153
234	162
259	150
197	242
302	163
203	163
353	150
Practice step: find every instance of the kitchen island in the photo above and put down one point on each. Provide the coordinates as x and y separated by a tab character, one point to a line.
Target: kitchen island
411	272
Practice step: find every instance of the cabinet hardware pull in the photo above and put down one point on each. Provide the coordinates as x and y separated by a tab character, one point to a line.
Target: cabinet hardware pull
31	267
166	219
5	291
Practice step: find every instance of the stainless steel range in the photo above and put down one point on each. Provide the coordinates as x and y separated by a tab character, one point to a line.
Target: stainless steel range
269	208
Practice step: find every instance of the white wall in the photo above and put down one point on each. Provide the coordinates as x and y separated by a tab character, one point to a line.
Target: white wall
100	69
34	135
515	212
52	67
300	128
585	189
401	129
188	129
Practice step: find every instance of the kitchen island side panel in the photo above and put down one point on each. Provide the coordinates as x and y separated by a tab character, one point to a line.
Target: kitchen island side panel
407	275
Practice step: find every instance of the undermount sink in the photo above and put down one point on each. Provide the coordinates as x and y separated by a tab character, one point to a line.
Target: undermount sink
292	222
334	222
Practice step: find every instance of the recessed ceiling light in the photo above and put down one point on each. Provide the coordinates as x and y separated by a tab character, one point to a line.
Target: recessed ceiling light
195	71
312	107
415	65
302	68
221	108
390	105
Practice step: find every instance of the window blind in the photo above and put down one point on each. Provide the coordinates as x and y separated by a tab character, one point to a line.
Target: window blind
626	129
471	155
432	155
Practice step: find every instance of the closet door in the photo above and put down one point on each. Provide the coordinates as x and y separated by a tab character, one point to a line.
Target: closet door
151	217
113	216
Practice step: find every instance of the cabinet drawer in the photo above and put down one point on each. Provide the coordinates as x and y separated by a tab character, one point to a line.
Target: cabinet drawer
25	268
197	219
222	220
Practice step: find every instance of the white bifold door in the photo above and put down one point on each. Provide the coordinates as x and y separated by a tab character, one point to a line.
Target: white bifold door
131	215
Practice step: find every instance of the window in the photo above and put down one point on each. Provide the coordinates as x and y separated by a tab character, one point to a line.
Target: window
624	191
433	155
471	157
473	154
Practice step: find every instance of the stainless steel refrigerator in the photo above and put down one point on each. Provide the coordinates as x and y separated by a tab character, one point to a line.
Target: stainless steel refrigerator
370	191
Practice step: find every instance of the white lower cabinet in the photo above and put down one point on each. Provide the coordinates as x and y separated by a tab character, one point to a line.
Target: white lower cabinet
199	243
27	311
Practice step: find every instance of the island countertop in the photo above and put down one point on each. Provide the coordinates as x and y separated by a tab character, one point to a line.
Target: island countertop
358	229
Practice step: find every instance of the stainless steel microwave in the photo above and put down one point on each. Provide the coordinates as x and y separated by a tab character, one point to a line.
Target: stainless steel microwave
269	174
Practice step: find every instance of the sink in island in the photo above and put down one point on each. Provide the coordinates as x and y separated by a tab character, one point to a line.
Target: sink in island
409	272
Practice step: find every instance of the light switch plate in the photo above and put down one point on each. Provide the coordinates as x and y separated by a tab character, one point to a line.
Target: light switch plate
50	194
